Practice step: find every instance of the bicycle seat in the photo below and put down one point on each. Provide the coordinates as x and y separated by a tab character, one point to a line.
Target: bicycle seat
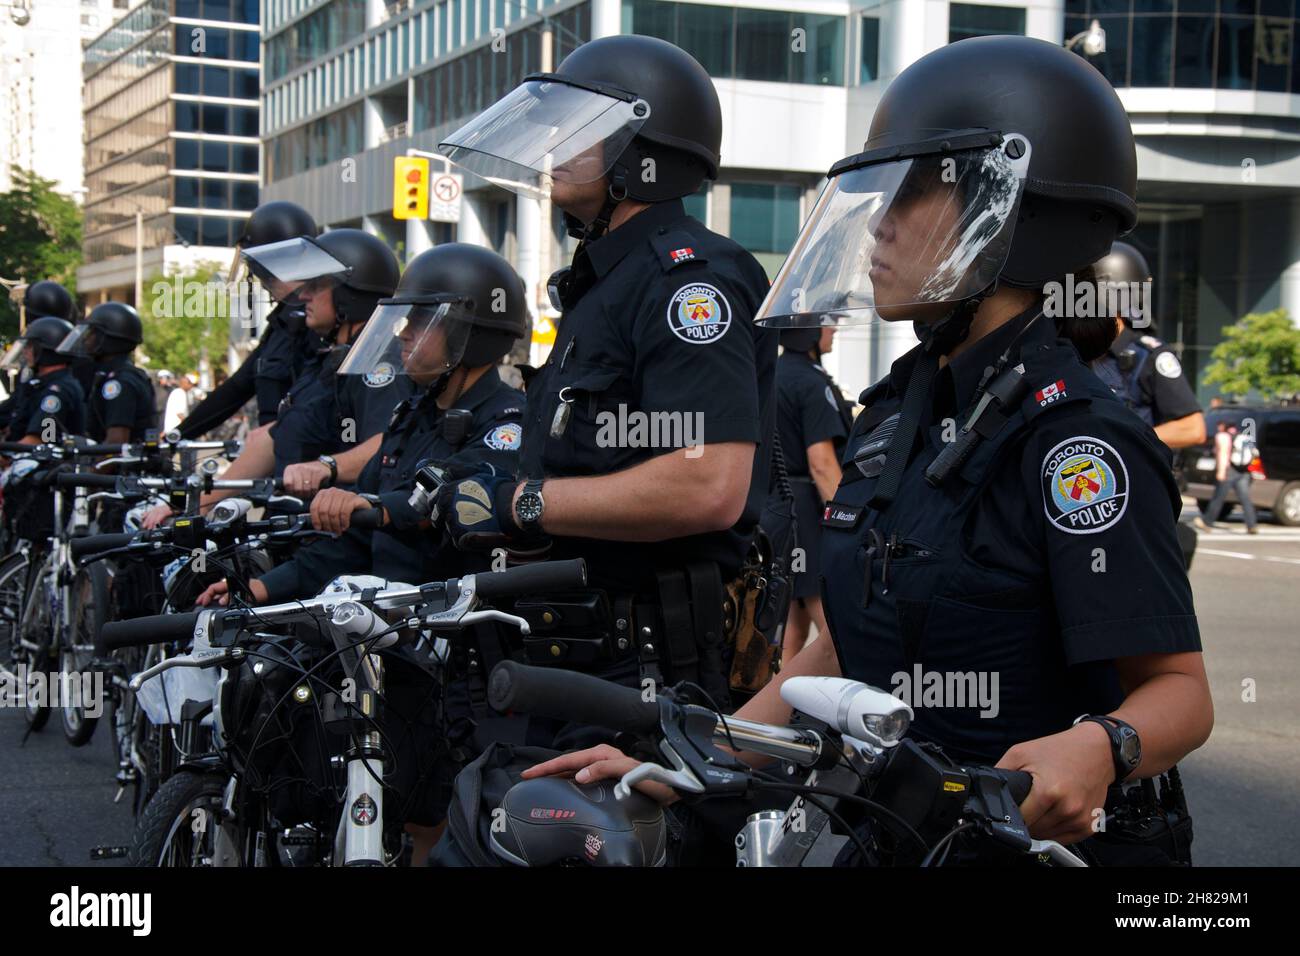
553	821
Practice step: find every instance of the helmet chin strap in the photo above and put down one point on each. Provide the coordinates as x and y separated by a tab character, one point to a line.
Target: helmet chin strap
940	338
614	194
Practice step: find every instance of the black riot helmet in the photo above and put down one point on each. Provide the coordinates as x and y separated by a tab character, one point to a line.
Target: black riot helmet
997	159
1122	264
359	268
635	109
47	298
112	328
274	222
1126	268
46	335
800	340
457	305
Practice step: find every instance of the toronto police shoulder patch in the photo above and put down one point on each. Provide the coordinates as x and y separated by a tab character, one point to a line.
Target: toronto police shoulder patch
112	388
698	313
1085	485
504	437
51	404
382	375
1167	364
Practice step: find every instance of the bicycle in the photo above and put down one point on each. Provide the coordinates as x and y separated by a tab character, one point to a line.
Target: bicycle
220	808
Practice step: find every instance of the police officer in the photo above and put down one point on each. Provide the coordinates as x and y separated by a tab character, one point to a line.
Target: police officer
441	326
40	299
328	426
285	345
120	407
655	336
1038	547
813	422
51	403
1140	369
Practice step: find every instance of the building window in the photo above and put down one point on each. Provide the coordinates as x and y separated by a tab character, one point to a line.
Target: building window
697	204
765	216
745	43
1229	44
869	58
977	20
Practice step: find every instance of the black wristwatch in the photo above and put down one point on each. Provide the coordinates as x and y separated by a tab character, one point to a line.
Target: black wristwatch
530	506
1125	746
329	462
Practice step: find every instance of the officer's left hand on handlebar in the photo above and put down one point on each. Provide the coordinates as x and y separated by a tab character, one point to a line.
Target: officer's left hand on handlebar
332	509
155	516
602	762
1071	772
305	478
219	593
476	511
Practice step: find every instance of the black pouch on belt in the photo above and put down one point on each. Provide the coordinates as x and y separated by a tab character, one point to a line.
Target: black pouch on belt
691	604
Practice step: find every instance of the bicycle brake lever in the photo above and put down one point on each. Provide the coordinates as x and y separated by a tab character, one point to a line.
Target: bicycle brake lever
679	778
105	494
1054	851
492	614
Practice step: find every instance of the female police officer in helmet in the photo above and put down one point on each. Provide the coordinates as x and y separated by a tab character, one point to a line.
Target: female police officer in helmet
1044	561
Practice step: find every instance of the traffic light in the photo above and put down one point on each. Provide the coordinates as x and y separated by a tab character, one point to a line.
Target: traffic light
410	187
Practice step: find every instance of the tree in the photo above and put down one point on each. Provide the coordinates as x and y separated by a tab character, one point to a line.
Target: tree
40	238
183	314
1261	353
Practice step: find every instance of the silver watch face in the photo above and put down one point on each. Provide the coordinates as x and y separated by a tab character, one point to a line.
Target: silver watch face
529	507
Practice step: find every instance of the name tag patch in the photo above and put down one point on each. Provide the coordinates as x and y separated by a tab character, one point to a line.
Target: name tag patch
836	515
1085	485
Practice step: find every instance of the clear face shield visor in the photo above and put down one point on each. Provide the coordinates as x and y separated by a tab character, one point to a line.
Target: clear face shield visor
903	233
15	358
82	342
286	268
547	130
421	338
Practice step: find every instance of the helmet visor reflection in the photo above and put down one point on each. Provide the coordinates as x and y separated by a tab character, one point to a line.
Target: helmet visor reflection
546	131
888	238
419	338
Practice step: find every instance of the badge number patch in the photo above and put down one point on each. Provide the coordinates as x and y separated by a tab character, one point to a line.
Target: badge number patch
698	313
111	390
504	437
1085	485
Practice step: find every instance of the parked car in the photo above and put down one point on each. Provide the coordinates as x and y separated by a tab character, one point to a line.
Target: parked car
1275	470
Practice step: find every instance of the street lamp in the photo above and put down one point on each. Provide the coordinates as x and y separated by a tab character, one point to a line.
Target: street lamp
1093	40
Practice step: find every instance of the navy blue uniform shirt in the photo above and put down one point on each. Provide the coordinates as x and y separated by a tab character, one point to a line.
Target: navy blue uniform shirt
998	601
656	351
54	397
401	551
121	397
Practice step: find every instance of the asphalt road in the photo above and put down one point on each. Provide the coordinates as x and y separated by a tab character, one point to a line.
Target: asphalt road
56	801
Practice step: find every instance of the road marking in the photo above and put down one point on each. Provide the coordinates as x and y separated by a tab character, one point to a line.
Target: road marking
1247	557
1226	554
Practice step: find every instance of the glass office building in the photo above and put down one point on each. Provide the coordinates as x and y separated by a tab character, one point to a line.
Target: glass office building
1212	88
171	106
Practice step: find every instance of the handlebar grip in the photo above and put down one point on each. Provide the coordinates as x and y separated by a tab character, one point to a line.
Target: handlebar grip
16	446
1019	784
542	576
85	480
155	629
569	695
96	543
366	519
106	449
